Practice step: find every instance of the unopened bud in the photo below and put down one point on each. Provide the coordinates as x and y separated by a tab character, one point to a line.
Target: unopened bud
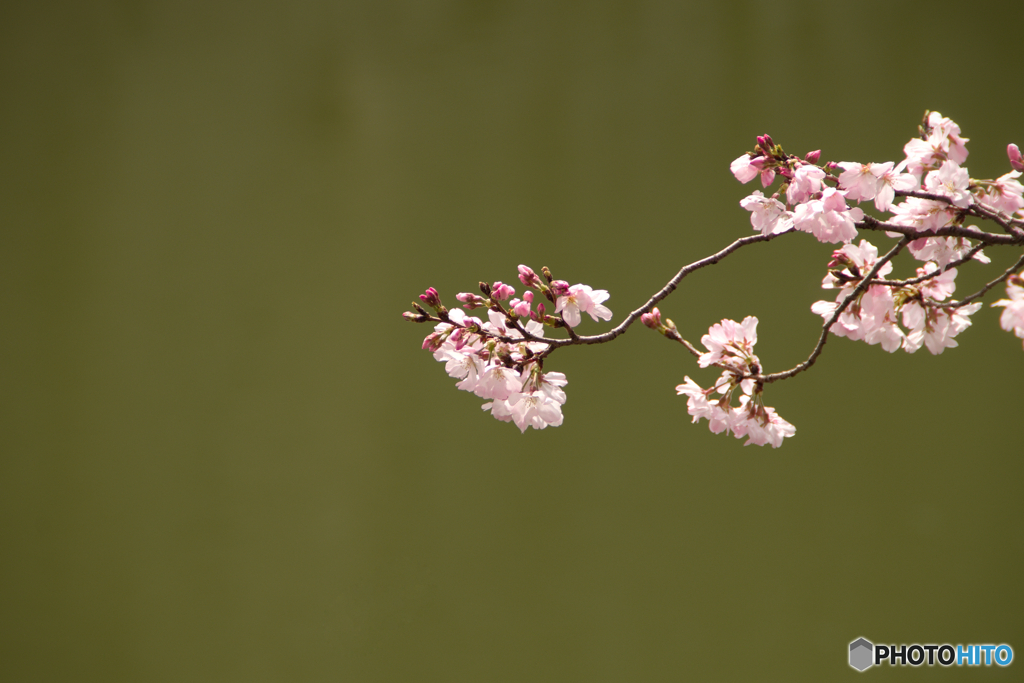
652	319
528	277
812	157
560	288
670	330
470	301
839	260
419	309
485	288
431	298
501	291
414	317
547	273
1016	161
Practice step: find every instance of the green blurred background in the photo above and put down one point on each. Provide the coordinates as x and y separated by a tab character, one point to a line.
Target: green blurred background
226	458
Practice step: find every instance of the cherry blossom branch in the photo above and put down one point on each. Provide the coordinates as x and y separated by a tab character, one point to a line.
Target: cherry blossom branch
975	210
502	359
988	238
669	287
1007	274
858	290
935	273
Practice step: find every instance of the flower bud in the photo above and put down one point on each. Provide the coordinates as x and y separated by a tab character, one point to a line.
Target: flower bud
812	157
520	308
414	317
433	342
485	288
470	301
501	291
547	273
1013	152
652	319
839	260
431	298
528	277
560	288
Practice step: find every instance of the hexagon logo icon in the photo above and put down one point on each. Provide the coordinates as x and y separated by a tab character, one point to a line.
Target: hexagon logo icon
861	654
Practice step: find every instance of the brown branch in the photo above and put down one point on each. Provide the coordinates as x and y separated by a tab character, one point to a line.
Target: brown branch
858	290
981	292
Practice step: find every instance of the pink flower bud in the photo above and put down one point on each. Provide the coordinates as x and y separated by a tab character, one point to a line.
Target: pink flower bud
520	308
812	157
652	319
528	277
528	296
432	342
560	288
501	291
1016	161
471	301
431	298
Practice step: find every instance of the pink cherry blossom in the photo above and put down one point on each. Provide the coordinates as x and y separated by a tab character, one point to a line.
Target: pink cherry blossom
746	168
729	338
497	382
1012	317
952	181
889	181
935	327
1004	194
536	410
943	142
828	218
805	183
582	299
942	250
925	214
767	215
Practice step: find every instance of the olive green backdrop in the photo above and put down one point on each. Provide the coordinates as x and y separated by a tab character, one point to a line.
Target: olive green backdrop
225	457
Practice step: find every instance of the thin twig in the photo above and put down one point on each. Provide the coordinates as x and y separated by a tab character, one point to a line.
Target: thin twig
981	292
858	290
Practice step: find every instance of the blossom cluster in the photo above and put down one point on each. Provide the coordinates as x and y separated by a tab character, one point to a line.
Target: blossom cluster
817	201
817	197
502	359
731	347
875	314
